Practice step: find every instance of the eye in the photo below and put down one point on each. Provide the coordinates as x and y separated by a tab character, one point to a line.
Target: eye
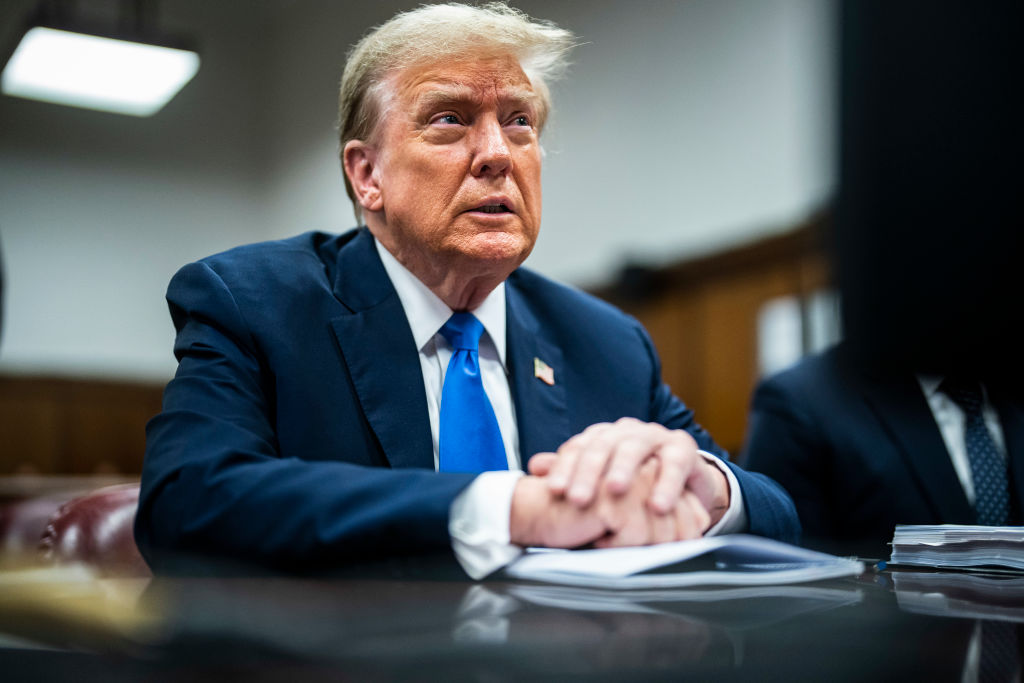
447	119
521	120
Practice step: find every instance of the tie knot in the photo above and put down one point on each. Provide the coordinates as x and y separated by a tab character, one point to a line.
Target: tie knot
965	393
463	331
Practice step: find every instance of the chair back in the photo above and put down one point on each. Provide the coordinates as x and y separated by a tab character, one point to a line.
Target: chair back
96	530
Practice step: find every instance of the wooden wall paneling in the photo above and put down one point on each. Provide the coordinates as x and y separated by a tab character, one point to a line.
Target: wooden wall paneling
107	421
673	323
815	272
74	426
689	378
110	438
730	307
30	429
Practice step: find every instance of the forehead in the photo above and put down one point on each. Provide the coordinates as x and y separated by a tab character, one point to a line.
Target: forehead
469	79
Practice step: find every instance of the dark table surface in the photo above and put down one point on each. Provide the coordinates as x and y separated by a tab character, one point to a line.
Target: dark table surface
387	624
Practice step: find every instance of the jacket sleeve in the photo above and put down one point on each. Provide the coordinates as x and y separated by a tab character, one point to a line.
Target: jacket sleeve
770	510
785	444
215	484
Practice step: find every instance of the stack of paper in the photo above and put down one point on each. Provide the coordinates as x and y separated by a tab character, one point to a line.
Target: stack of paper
959	546
734	560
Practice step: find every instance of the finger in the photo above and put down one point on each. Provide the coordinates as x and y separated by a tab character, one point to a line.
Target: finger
640	441
592	465
662	527
562	471
676	460
691	517
538	518
642	527
633	529
541	463
686	527
701	517
626	458
587	477
628	518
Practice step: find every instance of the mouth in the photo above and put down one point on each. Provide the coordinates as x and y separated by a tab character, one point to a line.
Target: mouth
492	206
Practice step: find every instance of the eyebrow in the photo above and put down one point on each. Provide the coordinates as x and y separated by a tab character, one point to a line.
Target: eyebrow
460	94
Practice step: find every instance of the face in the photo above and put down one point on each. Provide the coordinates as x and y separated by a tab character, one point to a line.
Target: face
455	180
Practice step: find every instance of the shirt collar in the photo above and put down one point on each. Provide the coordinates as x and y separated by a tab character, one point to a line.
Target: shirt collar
929	383
427	313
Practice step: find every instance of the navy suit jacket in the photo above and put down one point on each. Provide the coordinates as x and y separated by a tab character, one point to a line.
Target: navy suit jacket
860	451
295	432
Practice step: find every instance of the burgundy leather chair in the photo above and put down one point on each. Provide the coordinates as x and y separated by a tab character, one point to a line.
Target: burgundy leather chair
96	530
22	522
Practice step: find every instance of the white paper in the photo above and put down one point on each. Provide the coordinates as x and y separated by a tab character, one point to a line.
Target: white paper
764	562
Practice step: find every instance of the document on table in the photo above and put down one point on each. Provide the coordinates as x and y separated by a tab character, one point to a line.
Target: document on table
733	560
956	546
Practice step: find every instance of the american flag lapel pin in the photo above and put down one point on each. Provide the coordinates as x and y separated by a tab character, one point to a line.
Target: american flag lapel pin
543	372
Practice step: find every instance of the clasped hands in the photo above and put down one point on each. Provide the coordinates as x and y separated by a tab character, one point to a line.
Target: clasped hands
617	484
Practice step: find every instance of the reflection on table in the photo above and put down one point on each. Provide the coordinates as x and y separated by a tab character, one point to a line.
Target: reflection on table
995	599
385	623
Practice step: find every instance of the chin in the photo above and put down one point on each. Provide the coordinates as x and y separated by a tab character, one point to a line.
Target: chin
499	248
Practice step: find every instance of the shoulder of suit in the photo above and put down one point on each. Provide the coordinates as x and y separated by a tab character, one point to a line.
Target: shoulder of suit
306	245
824	367
301	265
558	298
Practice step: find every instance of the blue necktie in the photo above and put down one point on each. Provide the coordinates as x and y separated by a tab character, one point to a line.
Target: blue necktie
988	468
469	440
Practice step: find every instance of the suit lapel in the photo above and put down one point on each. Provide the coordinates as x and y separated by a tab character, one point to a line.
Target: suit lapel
902	409
541	410
377	347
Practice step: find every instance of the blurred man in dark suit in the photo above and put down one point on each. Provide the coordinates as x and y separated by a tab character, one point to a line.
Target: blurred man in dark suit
863	450
917	417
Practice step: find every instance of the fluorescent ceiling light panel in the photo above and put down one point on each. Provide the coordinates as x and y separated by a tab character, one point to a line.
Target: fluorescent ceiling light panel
93	72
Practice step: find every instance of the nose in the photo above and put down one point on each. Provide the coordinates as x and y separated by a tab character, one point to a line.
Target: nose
491	153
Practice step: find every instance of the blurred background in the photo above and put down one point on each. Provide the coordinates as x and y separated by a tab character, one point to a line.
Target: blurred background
688	168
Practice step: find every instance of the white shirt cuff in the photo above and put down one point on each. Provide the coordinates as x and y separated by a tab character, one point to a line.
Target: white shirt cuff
478	523
735	518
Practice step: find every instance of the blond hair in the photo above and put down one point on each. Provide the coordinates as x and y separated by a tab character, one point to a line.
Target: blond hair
432	33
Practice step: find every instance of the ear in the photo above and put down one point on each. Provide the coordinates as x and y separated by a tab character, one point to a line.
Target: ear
360	161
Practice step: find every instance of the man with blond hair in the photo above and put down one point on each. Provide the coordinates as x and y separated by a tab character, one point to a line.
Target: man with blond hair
377	393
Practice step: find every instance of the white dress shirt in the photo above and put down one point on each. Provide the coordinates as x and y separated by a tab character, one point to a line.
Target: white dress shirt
950	419
479	516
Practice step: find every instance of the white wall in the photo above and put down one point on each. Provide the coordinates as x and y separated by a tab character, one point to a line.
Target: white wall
684	127
97	210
